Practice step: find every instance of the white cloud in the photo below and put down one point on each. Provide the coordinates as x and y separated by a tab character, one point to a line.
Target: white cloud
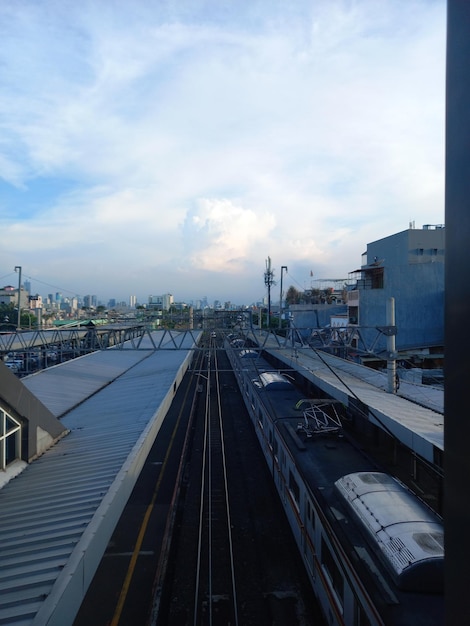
213	138
221	237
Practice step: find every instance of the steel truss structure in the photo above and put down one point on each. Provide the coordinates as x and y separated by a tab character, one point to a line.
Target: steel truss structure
82	340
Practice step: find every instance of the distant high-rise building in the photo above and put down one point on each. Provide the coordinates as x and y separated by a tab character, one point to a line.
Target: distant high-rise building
161	302
132	301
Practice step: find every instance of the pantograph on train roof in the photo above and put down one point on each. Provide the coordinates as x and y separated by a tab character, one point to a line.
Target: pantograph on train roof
316	421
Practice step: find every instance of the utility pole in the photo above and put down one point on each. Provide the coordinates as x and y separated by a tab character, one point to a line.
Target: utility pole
18	268
268	281
391	353
283	267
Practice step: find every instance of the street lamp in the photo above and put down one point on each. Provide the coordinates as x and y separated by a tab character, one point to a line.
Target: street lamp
283	267
18	268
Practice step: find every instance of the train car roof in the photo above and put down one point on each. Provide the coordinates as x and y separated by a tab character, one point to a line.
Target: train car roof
249	354
274	381
407	533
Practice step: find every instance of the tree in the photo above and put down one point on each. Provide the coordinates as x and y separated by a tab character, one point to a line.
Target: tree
292	295
9	318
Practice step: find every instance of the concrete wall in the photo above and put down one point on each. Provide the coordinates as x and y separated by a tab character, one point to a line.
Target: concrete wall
41	426
417	284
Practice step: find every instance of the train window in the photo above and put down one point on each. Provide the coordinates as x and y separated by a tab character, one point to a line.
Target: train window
360	617
438	457
294	488
310	515
332	571
275	447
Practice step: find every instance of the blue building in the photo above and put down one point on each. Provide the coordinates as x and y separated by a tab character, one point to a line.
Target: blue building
409	267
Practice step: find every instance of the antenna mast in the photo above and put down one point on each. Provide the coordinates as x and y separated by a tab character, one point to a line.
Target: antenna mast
268	281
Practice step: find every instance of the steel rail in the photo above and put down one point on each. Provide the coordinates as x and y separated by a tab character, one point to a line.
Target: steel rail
214	524
202	500
227	502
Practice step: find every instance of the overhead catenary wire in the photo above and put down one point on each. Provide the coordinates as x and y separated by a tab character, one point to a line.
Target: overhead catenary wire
371	411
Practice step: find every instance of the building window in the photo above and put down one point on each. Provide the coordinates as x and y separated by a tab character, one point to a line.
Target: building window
10	439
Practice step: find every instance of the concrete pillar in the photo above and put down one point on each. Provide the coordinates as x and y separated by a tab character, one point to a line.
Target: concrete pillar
457	314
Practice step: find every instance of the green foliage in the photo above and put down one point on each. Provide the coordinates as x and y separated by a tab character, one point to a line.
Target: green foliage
293	295
9	318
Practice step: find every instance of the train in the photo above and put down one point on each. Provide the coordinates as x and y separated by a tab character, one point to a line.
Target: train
372	549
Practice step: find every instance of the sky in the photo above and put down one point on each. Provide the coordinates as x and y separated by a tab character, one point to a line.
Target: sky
174	146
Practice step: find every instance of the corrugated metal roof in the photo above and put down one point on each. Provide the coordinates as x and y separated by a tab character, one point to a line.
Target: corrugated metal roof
62	387
56	518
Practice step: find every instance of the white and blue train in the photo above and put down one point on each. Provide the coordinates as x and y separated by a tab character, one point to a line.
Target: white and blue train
374	551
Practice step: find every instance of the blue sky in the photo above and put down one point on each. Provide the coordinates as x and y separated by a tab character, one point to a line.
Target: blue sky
151	147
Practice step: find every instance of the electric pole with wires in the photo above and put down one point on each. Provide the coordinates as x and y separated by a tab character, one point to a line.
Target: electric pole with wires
269	281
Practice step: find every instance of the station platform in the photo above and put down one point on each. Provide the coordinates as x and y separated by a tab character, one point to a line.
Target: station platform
58	514
414	414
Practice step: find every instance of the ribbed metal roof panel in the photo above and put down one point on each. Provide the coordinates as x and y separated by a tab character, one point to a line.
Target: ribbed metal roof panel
62	387
58	515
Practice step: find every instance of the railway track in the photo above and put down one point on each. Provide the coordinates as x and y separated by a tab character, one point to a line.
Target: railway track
215	585
232	559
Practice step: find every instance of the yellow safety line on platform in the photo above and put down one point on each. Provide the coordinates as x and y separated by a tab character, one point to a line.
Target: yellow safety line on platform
143	527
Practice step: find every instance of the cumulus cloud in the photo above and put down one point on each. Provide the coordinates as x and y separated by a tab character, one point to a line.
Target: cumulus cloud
221	237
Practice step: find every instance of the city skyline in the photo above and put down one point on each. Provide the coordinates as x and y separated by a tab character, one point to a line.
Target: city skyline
55	294
94	300
181	145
